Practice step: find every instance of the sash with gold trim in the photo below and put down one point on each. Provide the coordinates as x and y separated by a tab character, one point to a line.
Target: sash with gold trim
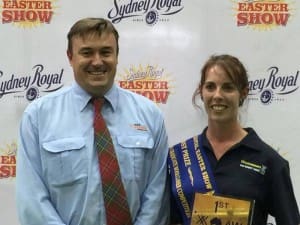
190	173
194	188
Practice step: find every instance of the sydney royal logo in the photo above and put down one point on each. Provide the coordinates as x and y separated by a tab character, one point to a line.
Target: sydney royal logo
148	11
273	88
31	85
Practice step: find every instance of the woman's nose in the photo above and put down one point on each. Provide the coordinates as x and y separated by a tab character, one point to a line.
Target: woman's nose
218	93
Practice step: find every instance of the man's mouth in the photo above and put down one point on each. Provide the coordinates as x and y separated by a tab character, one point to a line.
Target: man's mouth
97	73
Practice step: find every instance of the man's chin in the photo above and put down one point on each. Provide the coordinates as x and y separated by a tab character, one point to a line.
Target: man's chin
99	85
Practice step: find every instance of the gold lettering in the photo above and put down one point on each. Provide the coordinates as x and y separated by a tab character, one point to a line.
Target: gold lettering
179	185
186	158
202	166
206	180
183	146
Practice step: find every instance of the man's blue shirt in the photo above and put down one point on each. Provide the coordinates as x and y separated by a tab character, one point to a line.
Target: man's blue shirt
58	180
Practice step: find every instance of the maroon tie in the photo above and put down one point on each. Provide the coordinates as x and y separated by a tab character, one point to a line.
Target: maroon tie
116	205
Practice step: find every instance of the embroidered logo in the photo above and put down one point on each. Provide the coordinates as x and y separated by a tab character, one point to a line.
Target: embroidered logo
252	166
140	127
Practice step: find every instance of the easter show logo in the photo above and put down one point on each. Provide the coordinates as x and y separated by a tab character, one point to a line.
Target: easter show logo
263	14
27	13
8	161
150	81
275	87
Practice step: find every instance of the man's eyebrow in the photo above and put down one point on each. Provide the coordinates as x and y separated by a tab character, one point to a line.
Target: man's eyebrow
85	48
107	47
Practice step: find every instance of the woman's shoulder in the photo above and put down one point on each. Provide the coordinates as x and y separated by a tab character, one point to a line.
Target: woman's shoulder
267	152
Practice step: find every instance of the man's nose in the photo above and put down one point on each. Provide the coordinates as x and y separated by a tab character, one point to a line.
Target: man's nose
97	59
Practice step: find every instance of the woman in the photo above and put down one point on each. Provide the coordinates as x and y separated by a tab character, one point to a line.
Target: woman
227	159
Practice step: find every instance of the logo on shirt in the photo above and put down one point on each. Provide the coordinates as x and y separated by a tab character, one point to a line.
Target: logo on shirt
252	166
27	13
8	161
138	126
146	11
30	86
150	81
275	86
262	14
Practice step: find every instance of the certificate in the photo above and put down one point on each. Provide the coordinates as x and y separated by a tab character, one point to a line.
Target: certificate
209	209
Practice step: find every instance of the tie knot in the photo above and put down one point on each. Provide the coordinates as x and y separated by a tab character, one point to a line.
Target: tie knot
98	103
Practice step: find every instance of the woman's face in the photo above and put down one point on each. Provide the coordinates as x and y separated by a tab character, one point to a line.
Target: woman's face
220	95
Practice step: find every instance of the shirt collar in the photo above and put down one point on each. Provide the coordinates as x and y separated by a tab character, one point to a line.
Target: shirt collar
112	97
251	140
83	98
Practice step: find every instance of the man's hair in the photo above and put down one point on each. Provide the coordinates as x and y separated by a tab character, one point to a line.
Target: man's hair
92	26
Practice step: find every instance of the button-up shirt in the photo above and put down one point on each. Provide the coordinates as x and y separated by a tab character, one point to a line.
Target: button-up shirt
58	180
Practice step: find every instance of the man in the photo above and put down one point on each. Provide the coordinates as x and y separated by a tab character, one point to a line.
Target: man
58	180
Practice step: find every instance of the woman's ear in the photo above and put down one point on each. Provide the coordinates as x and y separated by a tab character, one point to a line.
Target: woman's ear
244	95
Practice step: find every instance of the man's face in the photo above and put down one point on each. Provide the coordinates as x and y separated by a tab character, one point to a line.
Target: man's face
94	60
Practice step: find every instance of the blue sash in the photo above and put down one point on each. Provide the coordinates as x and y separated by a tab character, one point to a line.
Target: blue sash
190	172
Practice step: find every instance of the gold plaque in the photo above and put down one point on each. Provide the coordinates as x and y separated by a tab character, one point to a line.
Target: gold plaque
212	209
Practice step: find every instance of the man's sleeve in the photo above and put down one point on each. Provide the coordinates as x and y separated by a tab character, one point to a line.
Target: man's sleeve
34	206
155	200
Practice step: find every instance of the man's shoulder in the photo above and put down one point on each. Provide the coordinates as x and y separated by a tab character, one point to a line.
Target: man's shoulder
138	99
50	98
132	94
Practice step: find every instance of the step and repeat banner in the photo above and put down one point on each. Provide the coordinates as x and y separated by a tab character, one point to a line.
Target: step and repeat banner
163	45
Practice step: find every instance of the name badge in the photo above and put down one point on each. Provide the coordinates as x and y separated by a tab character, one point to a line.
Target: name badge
209	209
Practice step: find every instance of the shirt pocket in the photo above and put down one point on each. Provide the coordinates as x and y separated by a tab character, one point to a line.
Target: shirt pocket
248	183
134	155
65	161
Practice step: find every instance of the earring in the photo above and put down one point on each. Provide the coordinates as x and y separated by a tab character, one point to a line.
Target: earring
241	101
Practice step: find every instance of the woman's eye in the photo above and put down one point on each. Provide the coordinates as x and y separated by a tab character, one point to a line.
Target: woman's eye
209	86
229	87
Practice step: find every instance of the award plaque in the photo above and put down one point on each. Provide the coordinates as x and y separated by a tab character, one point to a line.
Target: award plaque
212	209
